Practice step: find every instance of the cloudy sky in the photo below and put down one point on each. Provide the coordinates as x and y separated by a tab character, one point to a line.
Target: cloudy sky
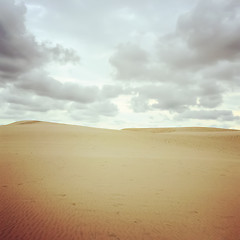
121	63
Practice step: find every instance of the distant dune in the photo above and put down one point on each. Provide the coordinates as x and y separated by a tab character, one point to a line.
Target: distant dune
61	181
179	129
24	122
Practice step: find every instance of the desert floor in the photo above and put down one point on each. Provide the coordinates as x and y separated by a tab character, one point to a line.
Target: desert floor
69	182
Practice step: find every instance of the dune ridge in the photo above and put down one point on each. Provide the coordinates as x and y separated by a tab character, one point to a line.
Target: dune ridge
63	181
179	129
25	122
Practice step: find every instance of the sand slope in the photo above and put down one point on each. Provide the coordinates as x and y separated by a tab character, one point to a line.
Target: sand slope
69	182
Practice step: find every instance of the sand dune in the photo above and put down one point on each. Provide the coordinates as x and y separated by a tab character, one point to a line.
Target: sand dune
179	129
62	181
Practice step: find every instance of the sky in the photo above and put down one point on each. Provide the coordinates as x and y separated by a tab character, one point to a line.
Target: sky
121	63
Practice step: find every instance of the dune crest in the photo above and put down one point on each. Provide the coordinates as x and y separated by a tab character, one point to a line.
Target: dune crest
179	129
24	122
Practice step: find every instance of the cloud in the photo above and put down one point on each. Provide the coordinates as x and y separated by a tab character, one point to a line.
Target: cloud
26	87
95	112
204	36
163	97
177	98
60	54
194	66
105	108
113	91
16	99
130	62
18	103
220	115
41	84
110	22
19	50
227	73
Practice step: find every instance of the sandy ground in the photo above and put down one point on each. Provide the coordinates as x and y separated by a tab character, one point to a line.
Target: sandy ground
69	182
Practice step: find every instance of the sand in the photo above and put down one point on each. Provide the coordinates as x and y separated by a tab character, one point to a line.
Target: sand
70	182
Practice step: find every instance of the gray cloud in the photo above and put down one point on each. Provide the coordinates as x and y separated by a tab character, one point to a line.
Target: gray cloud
16	99
226	72
105	108
112	91
221	115
19	51
163	97
206	35
17	103
41	84
197	65
210	94
59	53
26	87
95	112
130	62
177	98
133	63
211	101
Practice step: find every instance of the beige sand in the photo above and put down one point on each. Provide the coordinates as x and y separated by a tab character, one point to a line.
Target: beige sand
68	182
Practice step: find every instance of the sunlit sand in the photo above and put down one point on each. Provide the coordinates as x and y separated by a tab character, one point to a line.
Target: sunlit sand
70	182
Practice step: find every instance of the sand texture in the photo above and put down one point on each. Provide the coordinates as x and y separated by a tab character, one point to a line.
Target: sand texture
69	182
